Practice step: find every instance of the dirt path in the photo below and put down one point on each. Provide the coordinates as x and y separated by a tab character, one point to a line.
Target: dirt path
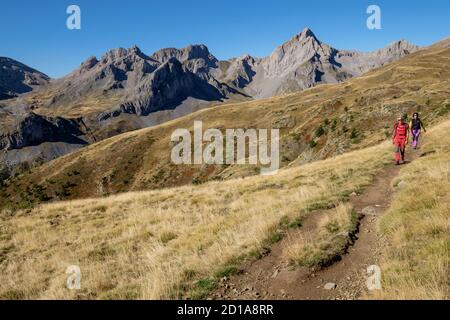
271	277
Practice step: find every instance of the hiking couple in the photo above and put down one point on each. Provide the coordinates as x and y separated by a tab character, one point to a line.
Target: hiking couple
400	135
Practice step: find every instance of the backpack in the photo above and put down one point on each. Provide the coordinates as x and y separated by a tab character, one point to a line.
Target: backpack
401	130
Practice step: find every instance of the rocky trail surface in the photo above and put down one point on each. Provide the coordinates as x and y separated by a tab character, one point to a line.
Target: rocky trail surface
273	277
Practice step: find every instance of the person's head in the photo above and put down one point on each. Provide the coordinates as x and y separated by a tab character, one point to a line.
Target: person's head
415	115
400	119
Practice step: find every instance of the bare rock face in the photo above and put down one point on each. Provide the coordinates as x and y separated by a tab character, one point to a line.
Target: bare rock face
357	63
17	78
287	57
125	87
304	61
144	84
237	72
197	58
31	129
32	138
128	81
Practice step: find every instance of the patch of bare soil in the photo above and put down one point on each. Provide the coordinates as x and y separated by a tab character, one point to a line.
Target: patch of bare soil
272	277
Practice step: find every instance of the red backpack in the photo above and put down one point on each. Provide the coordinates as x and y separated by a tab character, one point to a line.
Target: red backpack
401	130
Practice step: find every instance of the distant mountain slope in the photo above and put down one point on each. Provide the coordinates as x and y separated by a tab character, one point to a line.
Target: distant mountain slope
128	81
166	244
316	123
17	78
140	84
305	61
127	90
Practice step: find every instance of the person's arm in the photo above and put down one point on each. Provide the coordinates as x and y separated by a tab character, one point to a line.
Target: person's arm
393	132
423	127
407	135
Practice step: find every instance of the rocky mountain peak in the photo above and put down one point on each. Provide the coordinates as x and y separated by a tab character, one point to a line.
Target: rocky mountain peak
306	33
198	52
89	63
191	52
247	57
119	54
397	49
299	49
305	37
136	51
170	83
403	45
17	78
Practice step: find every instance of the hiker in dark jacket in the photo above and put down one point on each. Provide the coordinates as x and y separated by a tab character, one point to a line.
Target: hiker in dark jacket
416	126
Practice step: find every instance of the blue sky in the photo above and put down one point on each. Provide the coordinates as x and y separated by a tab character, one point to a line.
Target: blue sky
34	32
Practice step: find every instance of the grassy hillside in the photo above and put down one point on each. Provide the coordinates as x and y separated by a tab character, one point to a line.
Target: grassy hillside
315	124
168	243
416	265
178	242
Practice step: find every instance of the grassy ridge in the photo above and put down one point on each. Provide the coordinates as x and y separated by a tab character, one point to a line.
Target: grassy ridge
164	243
416	265
170	243
161	244
316	124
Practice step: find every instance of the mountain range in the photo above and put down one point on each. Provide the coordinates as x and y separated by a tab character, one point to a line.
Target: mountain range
114	205
316	123
127	90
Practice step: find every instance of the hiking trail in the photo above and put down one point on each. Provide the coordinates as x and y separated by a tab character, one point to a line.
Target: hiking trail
272	277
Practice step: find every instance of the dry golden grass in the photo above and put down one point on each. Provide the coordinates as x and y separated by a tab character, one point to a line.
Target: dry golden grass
353	115
156	244
332	237
416	264
164	243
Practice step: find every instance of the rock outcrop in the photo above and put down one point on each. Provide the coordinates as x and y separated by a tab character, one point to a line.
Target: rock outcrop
31	129
304	61
127	89
17	78
144	84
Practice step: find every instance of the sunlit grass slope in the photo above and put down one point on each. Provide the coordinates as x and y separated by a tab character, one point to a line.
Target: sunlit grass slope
166	243
416	265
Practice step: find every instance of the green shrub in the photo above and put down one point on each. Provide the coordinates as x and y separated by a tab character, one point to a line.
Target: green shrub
319	131
167	236
444	110
354	134
158	176
4	175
